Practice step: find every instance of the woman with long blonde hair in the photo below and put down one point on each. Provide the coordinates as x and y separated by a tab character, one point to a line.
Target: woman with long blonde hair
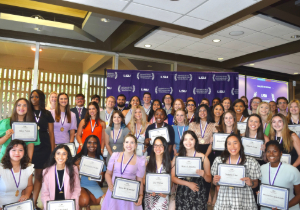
287	139
293	112
138	124
265	113
51	101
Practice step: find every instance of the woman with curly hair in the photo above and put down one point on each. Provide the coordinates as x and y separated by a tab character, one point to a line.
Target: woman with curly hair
60	177
15	174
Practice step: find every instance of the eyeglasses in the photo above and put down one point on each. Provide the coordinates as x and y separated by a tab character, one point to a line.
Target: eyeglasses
79	99
190	105
255	102
167	98
158	146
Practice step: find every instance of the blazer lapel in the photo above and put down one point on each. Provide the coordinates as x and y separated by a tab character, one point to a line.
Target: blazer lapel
67	184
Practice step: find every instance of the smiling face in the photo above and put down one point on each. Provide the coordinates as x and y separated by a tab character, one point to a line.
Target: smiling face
117	119
215	101
129	144
92	145
294	109
255	103
167	100
189	142
53	98
147	99
35	99
282	104
138	114
253	123
273	154
135	102
228	119
203	113
21	108
79	101
239	108
177	105
61	156
190	106
273	106
180	116
264	109
156	105
92	110
158	147
121	101
218	111
17	153
110	103
63	100
277	123
226	104
233	145
159	116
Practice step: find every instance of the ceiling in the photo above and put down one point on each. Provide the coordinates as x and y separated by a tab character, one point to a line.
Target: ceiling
181	31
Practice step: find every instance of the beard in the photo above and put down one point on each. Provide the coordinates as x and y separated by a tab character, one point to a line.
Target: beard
120	104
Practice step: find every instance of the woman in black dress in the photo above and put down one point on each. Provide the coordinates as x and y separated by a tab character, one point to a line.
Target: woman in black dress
42	152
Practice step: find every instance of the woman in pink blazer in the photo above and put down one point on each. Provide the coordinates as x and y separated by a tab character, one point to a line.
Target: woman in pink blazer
60	178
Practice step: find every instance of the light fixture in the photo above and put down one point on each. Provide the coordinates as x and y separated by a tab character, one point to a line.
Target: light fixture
295	36
236	33
34	49
296	73
105	20
220	59
37	29
216	40
251	64
148	45
149	66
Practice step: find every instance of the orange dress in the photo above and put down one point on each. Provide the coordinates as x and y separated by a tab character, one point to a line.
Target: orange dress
87	131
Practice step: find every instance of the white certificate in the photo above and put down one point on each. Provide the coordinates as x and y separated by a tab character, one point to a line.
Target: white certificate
25	205
72	148
139	149
219	141
105	152
231	175
96	180
242	126
252	147
61	205
158	183
274	197
26	131
91	167
187	166
295	128
159	132
126	189
286	158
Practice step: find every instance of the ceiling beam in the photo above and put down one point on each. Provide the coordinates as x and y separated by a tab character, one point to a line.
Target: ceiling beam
281	50
128	63
239	16
93	62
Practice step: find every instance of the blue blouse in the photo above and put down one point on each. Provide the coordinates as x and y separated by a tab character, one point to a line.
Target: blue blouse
181	130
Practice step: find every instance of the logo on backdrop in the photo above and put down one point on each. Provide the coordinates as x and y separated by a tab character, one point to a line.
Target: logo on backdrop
202	77
221	77
126	75
112	75
164	77
144	89
220	91
145	76
182	91
273	97
163	90
183	77
109	88
202	91
234	91
264	95
126	88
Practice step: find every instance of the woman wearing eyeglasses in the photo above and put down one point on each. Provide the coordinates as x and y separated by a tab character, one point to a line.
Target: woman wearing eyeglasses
191	107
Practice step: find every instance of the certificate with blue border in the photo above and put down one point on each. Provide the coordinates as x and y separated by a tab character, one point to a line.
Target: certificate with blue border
158	183
252	147
157	132
126	189
25	205
61	204
187	166
231	175
219	141
273	196
25	131
91	167
286	158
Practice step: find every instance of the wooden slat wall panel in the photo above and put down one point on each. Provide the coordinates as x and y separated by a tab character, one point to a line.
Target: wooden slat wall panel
97	85
60	82
14	84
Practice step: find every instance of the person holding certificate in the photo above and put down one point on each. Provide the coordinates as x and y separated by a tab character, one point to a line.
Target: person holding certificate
288	140
226	102
160	163
65	120
42	152
60	177
15	174
91	192
154	106
126	165
21	112
91	125
264	111
138	125
179	128
115	134
236	197
133	103
191	107
178	104
217	113
191	191
280	174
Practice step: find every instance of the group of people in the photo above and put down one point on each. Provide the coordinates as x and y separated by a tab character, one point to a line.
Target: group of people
115	133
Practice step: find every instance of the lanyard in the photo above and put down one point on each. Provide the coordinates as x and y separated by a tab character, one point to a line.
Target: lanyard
280	139
58	184
107	116
124	168
203	131
136	134
37	119
272	183
241	118
179	131
237	162
116	139
191	119
63	121
93	127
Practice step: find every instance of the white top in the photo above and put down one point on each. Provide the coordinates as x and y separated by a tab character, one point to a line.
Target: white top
8	187
128	117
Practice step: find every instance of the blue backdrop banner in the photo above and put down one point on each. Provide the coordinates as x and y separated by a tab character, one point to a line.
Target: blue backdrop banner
179	84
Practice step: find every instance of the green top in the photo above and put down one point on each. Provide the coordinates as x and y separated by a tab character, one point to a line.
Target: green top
267	131
4	126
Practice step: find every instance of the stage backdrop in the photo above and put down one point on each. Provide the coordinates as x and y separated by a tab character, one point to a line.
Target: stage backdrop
180	84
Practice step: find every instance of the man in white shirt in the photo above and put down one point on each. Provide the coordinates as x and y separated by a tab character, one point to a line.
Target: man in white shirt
282	104
147	102
105	115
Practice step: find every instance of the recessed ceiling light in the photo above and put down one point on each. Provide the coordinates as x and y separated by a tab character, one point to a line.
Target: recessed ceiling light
251	64
148	45
236	33
295	36
34	49
220	59
296	73
216	40
37	29
149	66
105	20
